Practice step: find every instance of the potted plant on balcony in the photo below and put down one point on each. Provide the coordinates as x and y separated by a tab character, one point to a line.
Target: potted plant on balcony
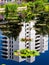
26	53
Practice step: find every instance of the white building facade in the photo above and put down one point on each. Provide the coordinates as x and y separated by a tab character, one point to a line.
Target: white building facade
38	42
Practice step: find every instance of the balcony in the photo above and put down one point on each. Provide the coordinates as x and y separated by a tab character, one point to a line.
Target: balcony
4	56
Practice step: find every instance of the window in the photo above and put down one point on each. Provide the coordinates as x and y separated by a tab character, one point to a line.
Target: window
36	40
37	43
5	45
28	57
12	53
27	35
27	32
4	53
4	38
10	56
27	28
37	36
26	25
4	41
27	47
12	49
12	46
12	41
4	49
4	56
37	47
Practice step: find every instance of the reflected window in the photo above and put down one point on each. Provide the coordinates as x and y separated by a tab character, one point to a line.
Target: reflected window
4	49
4	38
4	42
5	56
37	47
4	53
5	45
36	40
37	43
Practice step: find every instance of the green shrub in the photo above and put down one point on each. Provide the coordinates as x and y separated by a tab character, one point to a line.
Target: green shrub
27	53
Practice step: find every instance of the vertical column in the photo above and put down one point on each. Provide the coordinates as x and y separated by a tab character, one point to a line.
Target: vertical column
41	44
44	43
11	39
30	44
18	44
27	35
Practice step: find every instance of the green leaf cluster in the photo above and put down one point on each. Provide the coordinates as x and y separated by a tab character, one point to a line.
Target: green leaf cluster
42	23
26	53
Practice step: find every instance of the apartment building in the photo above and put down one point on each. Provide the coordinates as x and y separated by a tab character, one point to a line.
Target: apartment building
9	45
38	42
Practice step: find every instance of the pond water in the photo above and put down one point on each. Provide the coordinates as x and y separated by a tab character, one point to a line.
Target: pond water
43	59
15	32
40	60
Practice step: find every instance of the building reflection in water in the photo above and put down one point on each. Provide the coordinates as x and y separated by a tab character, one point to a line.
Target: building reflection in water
11	40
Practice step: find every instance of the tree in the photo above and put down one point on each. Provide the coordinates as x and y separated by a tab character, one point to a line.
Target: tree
42	23
12	30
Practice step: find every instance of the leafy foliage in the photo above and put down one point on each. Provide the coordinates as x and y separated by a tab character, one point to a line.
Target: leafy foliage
11	7
33	8
47	7
12	30
26	53
11	11
42	23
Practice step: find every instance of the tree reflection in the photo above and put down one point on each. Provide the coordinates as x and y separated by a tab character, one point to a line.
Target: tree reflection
11	29
42	23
